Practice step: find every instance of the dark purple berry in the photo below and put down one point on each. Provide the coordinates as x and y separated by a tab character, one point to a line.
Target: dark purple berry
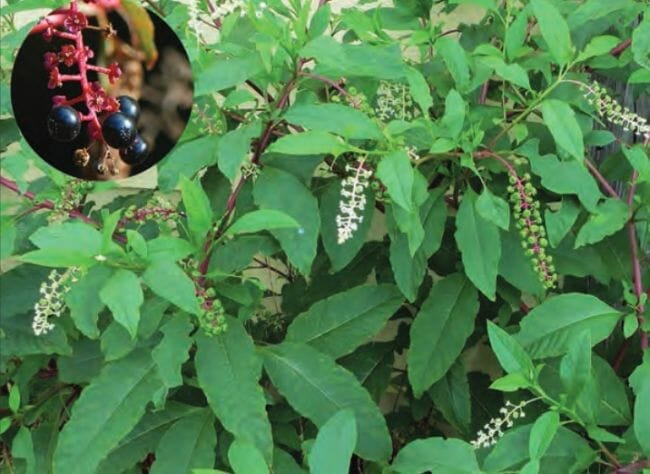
129	107
118	130
136	153
64	123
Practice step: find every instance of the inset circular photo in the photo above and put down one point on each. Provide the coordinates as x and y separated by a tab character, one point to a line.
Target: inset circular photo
102	89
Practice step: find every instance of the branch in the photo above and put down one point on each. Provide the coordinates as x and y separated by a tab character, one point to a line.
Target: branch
262	144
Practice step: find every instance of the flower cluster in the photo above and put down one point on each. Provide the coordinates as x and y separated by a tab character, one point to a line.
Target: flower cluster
611	110
394	102
51	303
70	198
157	209
528	218
77	54
353	200
493	430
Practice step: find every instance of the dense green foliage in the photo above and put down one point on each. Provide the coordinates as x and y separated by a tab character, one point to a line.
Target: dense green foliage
381	245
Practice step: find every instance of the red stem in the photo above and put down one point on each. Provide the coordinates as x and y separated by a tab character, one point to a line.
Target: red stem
47	204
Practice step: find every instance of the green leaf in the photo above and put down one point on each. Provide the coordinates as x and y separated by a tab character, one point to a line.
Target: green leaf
451	396
567	177
234	146
451	456
189	443
116	398
22	447
493	209
309	143
551	328
513	73
599	46
279	190
168	281
561	121
409	271
559	223
186	159
245	458
511	382
342	254
223	73
555	30
610	217
641	43
173	350
317	388
84	301
65	245
14	399
122	294
516	268
511	355
455	59
542	434
419	89
336	59
640	383
638	158
166	247
396	172
334	118
197	207
440	330
229	360
575	369
568	452
334	445
454	118
265	219
145	436
480	246
339	324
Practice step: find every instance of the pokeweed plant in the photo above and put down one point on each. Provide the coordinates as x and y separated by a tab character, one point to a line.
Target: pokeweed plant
383	245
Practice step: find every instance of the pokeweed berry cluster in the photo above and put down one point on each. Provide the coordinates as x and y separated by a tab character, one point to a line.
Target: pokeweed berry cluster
70	198
109	120
528	218
157	209
212	317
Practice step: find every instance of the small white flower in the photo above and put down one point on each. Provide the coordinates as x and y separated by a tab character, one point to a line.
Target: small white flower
258	14
492	431
353	201
612	111
51	304
100	258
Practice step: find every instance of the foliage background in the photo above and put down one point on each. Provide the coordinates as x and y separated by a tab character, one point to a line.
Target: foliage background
388	353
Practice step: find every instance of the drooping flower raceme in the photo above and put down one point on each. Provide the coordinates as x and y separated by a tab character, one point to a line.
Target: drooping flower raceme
493	430
353	200
614	112
51	303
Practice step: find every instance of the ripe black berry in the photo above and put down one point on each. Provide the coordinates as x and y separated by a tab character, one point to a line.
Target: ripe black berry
118	130
129	107
64	123
136	153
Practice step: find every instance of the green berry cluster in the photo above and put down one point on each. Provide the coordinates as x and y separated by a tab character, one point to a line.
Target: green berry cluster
158	209
528	218
212	318
71	197
356	99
